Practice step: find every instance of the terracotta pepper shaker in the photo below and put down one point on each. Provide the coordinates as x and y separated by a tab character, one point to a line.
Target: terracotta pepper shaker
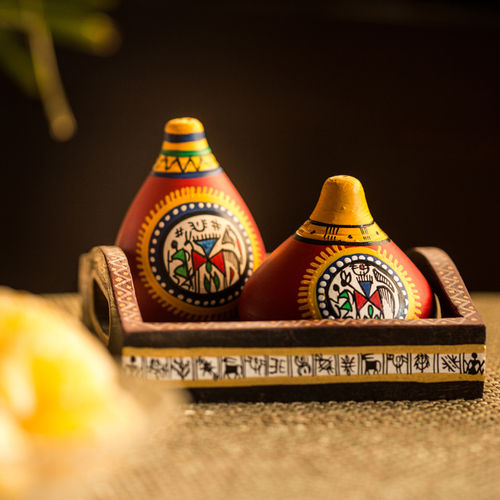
339	264
190	240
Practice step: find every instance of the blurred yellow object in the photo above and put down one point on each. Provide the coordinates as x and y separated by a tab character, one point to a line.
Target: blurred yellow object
61	404
55	378
67	414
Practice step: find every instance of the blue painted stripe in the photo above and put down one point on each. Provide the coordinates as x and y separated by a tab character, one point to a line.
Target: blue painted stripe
187	175
196	136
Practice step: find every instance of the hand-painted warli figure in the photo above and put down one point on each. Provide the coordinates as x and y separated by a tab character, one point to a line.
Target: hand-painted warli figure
339	264
189	237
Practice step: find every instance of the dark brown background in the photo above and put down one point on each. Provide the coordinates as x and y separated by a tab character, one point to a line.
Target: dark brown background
403	95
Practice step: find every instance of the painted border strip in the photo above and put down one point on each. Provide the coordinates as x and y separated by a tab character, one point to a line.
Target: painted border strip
234	367
297	351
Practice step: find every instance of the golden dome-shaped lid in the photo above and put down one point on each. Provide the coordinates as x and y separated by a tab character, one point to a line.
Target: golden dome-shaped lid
341	215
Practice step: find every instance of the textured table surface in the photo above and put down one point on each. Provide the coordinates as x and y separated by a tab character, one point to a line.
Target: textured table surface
348	450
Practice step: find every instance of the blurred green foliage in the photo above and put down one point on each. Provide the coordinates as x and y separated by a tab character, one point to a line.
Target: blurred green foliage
28	31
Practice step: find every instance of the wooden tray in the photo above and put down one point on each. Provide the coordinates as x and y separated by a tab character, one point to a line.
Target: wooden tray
300	360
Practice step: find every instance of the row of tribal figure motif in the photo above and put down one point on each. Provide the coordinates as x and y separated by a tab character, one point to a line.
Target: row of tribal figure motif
231	366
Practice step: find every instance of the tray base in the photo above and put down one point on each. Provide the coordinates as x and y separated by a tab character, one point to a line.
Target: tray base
303	360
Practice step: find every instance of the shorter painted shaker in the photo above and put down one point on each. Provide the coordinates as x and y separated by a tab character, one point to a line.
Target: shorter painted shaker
338	265
190	239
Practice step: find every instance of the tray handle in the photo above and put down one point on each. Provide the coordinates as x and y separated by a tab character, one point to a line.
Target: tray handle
100	310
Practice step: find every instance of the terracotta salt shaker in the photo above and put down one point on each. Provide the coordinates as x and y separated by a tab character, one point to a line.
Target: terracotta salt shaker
339	264
190	239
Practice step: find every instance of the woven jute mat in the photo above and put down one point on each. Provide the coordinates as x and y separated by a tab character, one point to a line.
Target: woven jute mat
348	450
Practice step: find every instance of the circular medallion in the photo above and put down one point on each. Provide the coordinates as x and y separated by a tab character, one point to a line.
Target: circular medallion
357	283
201	254
196	251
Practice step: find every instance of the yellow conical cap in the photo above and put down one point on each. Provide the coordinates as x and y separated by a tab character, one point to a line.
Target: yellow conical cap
342	202
185	150
341	214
